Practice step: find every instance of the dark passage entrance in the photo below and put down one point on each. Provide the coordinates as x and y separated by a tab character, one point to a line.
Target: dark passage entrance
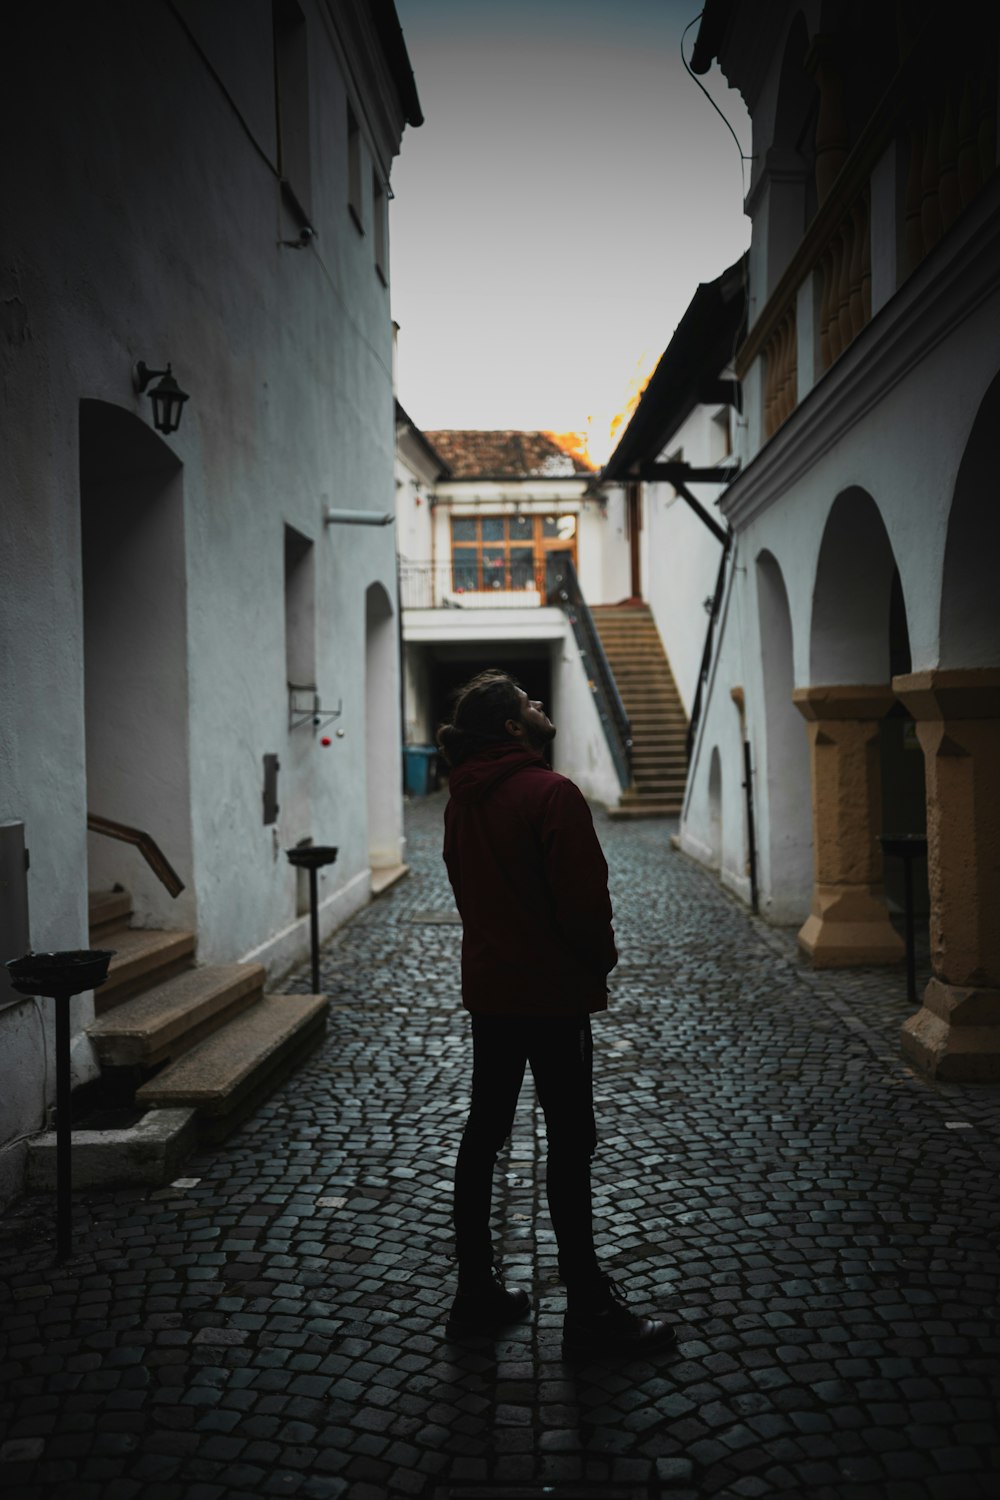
449	672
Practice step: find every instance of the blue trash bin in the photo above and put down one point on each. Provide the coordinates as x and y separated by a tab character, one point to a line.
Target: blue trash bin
418	767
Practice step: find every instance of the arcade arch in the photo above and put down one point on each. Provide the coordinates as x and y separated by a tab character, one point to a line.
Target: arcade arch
135	641
788	857
848	697
383	745
956	1034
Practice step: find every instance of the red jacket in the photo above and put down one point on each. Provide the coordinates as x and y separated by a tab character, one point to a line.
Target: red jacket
531	886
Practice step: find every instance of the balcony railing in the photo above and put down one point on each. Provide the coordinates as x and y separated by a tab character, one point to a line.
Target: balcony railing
467	586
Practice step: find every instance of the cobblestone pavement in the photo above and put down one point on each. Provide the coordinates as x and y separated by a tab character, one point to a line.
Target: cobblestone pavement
821	1224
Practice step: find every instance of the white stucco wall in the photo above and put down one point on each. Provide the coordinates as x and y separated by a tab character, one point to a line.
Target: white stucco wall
173	217
580	750
891	419
603	563
679	555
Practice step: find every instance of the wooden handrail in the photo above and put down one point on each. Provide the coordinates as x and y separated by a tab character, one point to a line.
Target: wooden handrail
147	847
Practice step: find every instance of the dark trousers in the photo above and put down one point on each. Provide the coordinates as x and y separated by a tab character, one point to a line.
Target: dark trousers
560	1054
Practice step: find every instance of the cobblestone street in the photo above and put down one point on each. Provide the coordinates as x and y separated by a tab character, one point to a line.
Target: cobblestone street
821	1224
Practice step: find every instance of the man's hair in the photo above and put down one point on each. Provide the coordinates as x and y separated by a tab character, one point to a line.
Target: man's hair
482	708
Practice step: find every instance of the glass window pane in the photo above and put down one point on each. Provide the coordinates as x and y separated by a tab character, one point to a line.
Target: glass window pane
492	528
463	569
561	527
463	529
521	528
522	568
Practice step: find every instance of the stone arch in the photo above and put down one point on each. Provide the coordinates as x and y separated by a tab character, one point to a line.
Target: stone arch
383	747
852	594
788	850
845	705
715	810
957	709
970	595
135	642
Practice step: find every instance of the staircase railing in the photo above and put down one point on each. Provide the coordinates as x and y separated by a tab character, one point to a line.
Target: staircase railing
147	847
565	592
706	655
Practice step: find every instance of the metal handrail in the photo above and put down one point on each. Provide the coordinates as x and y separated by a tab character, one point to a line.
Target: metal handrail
147	847
443	585
566	592
706	655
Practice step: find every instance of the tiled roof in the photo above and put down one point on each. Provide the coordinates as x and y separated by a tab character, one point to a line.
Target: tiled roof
507	455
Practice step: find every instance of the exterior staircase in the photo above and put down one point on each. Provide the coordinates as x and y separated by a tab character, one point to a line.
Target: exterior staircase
636	656
174	1036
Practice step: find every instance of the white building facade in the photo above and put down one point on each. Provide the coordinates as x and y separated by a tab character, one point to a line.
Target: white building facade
196	643
487	522
858	652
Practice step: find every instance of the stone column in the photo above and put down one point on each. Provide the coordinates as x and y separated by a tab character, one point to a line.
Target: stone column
956	1034
849	922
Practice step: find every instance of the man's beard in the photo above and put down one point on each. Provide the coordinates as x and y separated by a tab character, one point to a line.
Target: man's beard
539	738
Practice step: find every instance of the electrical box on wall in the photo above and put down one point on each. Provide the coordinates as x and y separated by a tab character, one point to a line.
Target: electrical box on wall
271	768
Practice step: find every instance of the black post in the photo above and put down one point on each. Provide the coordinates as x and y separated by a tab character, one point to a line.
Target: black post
64	1183
907	847
314	924
751	833
911	944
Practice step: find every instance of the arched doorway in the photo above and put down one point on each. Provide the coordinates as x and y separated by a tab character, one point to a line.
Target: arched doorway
134	578
383	743
787	851
848	697
956	1034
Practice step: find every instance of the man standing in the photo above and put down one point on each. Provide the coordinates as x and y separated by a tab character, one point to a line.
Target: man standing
531	886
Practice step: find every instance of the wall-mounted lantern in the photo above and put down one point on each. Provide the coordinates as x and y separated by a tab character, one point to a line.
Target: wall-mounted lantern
167	397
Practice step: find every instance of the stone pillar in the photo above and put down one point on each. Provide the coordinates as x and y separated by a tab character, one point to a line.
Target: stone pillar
956	1034
849	922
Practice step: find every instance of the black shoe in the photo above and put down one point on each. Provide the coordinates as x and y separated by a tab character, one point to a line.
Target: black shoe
486	1305
598	1322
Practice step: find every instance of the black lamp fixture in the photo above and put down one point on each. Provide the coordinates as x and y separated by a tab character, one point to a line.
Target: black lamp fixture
167	397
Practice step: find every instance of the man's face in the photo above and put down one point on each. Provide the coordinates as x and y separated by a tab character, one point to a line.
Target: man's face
534	726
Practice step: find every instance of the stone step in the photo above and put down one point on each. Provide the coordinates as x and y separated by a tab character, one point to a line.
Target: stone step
225	1077
170	1018
650	809
384	877
142	958
107	911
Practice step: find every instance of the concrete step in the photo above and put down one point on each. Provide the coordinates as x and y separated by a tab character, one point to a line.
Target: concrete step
650	809
385	877
170	1018
229	1074
107	911
142	958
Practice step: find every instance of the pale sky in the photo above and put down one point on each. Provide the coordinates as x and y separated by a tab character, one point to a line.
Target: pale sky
569	189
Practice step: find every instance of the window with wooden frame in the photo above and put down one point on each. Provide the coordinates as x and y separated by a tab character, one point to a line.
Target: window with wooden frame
510	553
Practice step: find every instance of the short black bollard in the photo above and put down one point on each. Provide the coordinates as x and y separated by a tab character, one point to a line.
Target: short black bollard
907	847
313	857
58	977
